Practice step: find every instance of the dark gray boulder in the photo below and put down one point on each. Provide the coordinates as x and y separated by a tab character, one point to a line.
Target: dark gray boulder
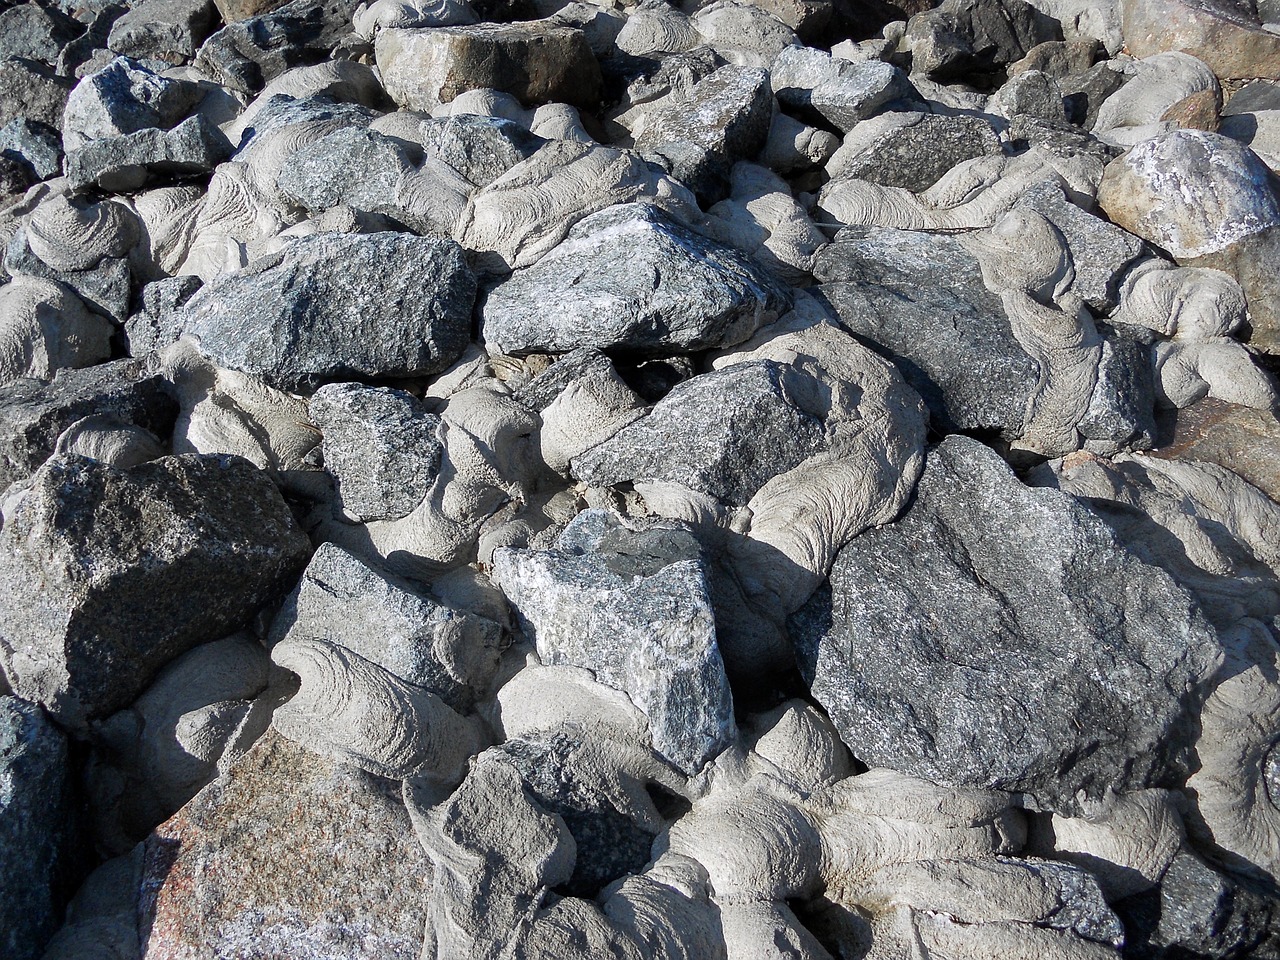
127	162
999	636
380	446
725	434
37	146
1121	412
33	31
123	97
911	149
337	306
964	37
159	319
919	299
169	30
33	413
106	575
105	287
632	606
38	828
31	91
392	623
819	88
635	279
480	148
353	166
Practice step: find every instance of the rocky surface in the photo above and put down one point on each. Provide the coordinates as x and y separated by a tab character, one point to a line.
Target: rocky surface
739	479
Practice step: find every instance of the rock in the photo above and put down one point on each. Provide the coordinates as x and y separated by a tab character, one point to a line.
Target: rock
1226	36
998	635
1101	252
393	624
31	91
124	163
45	328
1244	440
168	30
1121	413
34	145
1031	94
331	306
1259	131
793	146
159	321
30	31
99	594
282	819
535	62
911	149
958	37
1084	94
821	88
1060	59
1199	111
481	149
124	97
233	11
103	286
38	828
623	279
632	606
920	300
351	166
1155	86
33	414
380	446
724	434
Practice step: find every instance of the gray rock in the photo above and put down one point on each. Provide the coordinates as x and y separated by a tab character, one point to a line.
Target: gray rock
1084	93
998	635
169	30
15	178
1032	94
820	88
964	37
911	149
334	306
1121	413
127	162
106	574
34	413
539	392
80	57
31	91
105	288
1100	251
37	146
38	828
725	434
480	148
353	166
123	97
390	622
631	277
1253	97
920	300
159	322
281	111
380	446
32	31
1061	58
632	606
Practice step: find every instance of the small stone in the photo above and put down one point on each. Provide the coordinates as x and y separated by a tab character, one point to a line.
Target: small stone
1060	58
1083	94
632	606
35	145
32	91
1196	112
632	277
818	86
168	30
1031	94
333	306
127	162
380	446
911	149
124	97
159	322
108	574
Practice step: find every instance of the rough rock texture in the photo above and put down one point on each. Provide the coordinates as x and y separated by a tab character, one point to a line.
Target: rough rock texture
911	149
820	87
31	91
34	145
1245	441
920	300
123	97
108	574
633	607
997	635
128	161
38	828
289	854
635	279
330	306
1227	36
169	30
957	37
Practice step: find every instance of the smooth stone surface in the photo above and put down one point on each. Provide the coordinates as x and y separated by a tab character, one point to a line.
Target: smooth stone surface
997	635
919	299
106	575
334	306
1244	440
289	854
635	279
1227	36
633	607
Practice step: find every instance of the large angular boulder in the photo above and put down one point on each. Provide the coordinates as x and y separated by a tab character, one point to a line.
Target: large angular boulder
1229	37
337	306
32	91
128	161
999	636
825	89
106	574
124	97
632	277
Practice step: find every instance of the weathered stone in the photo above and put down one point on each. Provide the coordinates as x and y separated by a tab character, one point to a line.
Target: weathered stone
1227	36
333	306
169	30
124	97
920	300
233	11
959	37
108	574
632	606
1254	96
998	635
1083	94
32	91
46	328
289	854
817	86
1199	111
126	162
1121	413
911	149
15	178
104	287
159	321
1031	94
634	278
480	148
1243	440
725	434
352	166
38	828
1060	58
380	446
534	61
34	413
34	144
31	31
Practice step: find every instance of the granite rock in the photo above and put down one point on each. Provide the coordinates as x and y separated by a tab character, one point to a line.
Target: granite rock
911	149
124	97
158	322
1121	413
959	37
35	145
352	166
32	91
126	162
32	31
168	30
1229	37
821	88
1244	440
480	148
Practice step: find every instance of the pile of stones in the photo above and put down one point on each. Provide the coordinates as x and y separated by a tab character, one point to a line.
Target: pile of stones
536	479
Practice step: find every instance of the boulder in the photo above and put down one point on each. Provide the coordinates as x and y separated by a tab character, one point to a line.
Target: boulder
32	91
911	149
332	306
109	574
480	148
826	89
999	636
35	145
1244	440
352	166
126	162
30	31
959	37
44	328
123	97
1228	36
632	277
168	30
